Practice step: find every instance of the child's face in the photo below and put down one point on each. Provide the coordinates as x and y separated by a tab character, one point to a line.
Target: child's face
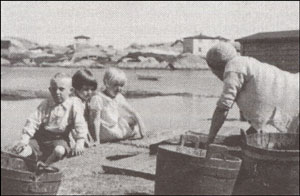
113	89
60	89
85	93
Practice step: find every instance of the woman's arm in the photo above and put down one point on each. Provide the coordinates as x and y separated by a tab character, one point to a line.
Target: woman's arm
233	83
218	119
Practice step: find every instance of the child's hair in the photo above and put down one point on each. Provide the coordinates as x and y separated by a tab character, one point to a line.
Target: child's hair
84	77
114	76
60	75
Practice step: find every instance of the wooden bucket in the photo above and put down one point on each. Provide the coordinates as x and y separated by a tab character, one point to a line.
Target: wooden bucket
272	161
182	170
18	177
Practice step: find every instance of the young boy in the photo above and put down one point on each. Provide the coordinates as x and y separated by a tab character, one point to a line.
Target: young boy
84	84
46	132
106	121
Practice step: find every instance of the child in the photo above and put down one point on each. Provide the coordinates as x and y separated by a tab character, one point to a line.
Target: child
106	121
84	84
46	132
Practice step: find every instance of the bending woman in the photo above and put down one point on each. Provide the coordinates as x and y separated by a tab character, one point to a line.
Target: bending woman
267	96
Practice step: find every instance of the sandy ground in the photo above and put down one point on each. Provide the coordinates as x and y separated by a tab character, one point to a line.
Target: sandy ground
84	174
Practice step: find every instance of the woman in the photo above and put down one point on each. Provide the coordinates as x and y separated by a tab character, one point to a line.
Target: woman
267	96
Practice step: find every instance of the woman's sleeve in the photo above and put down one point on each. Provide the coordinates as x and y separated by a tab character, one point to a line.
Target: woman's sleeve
233	83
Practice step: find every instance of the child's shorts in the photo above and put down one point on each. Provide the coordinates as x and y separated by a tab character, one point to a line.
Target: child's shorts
44	143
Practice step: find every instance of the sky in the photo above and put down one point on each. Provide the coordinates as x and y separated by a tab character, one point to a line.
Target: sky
123	23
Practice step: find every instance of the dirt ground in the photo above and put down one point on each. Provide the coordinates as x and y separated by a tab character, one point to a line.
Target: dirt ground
84	174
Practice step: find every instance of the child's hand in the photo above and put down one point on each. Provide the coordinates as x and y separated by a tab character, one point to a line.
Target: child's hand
79	148
20	145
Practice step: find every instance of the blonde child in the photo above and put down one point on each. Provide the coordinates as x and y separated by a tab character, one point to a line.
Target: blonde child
45	135
106	120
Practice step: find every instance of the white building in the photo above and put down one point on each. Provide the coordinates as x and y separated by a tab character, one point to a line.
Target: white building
200	44
81	42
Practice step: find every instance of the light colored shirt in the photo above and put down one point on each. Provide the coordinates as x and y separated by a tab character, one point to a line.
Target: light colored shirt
67	116
113	125
266	95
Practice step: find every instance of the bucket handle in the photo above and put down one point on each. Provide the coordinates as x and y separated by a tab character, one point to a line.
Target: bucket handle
195	139
243	137
217	149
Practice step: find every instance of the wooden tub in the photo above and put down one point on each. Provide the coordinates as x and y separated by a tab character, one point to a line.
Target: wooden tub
19	178
182	170
271	160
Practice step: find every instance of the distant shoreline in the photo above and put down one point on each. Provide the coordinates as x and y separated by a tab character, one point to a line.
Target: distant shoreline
18	95
95	67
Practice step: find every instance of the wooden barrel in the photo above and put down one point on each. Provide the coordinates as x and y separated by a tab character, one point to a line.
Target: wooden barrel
18	179
272	161
182	170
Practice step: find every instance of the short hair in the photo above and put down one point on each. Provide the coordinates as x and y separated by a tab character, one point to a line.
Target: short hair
219	55
84	77
114	76
60	75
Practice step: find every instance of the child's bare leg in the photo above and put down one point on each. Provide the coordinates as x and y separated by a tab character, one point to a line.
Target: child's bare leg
57	154
132	123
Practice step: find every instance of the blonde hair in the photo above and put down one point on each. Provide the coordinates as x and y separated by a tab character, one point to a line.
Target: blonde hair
114	76
60	75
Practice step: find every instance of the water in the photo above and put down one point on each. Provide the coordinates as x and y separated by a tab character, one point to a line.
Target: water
170	112
181	81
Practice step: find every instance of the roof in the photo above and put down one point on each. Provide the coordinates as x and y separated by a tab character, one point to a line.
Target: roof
81	37
201	36
277	35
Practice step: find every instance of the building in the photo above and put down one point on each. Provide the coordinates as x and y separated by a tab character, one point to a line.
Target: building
279	48
5	51
81	42
200	44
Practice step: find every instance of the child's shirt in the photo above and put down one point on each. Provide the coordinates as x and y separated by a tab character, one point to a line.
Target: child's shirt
58	118
113	125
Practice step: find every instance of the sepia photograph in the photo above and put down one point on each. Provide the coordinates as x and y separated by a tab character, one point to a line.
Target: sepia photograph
150	97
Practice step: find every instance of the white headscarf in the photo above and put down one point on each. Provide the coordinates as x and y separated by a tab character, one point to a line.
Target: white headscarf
218	56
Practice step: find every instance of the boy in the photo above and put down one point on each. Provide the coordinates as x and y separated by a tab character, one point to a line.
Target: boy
46	132
106	122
